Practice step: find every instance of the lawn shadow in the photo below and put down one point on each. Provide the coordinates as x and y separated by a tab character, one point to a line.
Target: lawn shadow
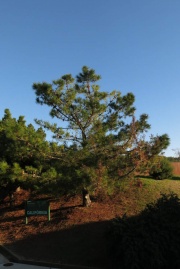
175	178
142	176
81	245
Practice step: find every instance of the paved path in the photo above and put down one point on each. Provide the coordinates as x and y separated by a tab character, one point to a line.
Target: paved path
7	259
3	259
4	262
22	266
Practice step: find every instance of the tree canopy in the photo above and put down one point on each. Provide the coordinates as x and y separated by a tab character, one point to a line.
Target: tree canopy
99	128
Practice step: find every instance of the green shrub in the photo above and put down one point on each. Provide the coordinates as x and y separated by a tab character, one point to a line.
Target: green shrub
150	240
161	169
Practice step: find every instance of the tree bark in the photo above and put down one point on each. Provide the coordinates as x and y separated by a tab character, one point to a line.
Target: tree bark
86	198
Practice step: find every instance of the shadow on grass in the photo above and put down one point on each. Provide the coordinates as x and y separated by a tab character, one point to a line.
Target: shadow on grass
175	178
141	176
82	245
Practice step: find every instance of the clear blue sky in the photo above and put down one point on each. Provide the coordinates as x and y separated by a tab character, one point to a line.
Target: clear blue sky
133	45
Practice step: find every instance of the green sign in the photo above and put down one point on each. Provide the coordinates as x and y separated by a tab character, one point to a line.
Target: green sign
37	207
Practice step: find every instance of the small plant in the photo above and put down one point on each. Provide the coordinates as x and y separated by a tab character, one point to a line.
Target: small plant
161	169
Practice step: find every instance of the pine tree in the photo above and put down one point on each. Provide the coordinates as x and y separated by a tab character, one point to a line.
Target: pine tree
99	128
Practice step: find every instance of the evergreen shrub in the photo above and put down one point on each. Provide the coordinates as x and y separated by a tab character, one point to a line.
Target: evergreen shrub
149	240
161	170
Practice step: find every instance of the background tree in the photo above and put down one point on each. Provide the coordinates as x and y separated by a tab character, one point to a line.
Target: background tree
177	154
25	155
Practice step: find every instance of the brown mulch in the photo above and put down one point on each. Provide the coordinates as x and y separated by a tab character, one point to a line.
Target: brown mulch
74	235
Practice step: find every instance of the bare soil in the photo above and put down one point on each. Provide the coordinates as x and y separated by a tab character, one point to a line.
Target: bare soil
176	168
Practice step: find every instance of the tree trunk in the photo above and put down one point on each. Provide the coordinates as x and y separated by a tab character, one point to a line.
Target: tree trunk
11	200
86	198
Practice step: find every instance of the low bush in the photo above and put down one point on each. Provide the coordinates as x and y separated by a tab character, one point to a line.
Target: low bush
150	240
162	169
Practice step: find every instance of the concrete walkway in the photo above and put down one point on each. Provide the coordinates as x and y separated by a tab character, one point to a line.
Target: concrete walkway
3	259
22	266
4	262
8	259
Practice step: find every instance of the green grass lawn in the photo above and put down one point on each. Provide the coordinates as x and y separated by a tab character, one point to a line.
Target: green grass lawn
135	197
